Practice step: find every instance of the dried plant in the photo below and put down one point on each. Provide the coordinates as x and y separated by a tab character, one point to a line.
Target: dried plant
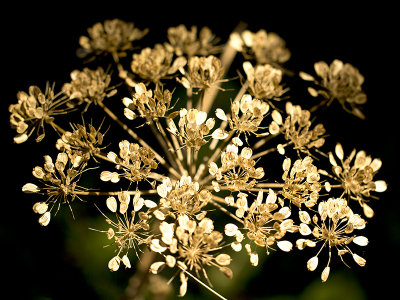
167	193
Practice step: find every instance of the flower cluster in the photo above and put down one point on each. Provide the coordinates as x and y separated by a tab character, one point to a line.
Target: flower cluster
33	111
90	86
195	189
264	48
59	184
112	36
341	82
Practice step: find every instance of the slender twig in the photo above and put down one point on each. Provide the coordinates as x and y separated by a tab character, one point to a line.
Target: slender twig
202	283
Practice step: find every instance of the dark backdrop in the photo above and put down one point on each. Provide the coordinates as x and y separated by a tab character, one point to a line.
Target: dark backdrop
38	43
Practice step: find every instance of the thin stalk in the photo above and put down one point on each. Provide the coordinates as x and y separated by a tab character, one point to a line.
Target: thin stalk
93	193
57	128
213	202
175	153
202	283
227	58
162	141
265	152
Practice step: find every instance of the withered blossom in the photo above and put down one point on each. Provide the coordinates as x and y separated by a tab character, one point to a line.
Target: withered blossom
34	110
113	36
131	227
202	72
191	42
264	81
89	86
154	64
301	182
246	117
196	174
237	171
356	175
265	223
60	184
340	81
333	227
184	197
297	129
265	48
193	126
81	143
191	246
146	104
135	162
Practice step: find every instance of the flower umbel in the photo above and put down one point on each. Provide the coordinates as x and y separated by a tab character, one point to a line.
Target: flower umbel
201	154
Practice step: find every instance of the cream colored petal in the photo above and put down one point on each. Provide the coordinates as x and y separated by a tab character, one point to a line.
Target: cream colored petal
156	247
126	261
155	267
312	263
113	264
325	274
361	240
339	151
359	260
230	229
223	259
380	186
112	204
285	246
44	220
220	114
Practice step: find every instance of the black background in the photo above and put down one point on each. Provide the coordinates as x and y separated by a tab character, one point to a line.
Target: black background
38	43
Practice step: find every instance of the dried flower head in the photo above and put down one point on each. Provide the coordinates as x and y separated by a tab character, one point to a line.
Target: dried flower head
297	129
136	163
192	246
202	72
184	197
357	177
191	43
301	182
237	171
146	104
333	227
81	143
60	184
34	110
131	228
246	117
341	82
264	222
264	81
154	64
264	48
193	128
113	36
90	86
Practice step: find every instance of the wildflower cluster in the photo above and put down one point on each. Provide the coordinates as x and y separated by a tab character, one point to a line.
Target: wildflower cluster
258	163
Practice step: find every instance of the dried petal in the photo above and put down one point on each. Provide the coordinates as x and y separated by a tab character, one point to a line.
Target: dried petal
285	246
325	274
112	204
360	240
113	264
230	229
155	267
312	263
44	220
223	259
